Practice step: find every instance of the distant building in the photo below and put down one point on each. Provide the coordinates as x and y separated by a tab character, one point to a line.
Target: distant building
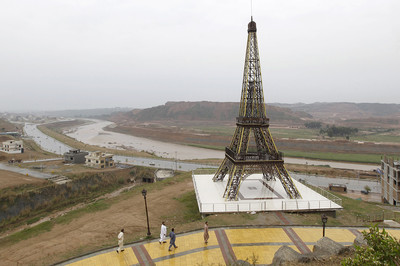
99	159
12	146
75	156
13	133
390	177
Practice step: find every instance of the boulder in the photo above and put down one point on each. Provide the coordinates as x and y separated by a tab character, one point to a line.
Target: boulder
285	254
328	247
360	241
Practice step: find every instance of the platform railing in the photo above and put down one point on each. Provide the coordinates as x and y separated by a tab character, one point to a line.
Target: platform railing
325	193
287	205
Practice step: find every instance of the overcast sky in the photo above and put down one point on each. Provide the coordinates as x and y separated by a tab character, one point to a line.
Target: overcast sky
69	54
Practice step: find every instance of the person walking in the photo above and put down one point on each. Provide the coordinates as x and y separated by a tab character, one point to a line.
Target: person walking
206	235
121	241
163	233
172	239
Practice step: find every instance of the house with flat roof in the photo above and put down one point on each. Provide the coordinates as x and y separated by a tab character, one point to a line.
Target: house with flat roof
75	156
390	181
99	159
12	146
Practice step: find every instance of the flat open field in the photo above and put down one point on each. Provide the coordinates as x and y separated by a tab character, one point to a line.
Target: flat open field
10	179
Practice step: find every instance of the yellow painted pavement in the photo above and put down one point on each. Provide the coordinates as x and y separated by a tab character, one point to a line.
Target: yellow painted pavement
184	243
394	233
111	258
314	234
207	257
257	235
262	254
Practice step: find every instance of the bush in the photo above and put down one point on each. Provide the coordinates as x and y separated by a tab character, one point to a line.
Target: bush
382	249
334	131
313	125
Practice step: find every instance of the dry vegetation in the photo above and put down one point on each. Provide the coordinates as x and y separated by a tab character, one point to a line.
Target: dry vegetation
10	179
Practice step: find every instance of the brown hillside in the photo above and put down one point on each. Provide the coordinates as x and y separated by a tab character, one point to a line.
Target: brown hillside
339	111
204	111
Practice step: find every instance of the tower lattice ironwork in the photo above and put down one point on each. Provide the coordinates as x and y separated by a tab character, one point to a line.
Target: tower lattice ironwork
247	155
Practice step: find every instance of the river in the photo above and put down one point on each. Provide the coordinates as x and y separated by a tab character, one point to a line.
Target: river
94	134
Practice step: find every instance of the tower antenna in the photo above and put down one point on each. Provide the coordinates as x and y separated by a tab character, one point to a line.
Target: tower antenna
251	9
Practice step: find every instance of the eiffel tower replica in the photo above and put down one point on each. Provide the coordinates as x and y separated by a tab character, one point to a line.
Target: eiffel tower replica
247	155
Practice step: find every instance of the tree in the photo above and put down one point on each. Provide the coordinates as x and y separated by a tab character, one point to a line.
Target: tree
313	125
334	131
382	249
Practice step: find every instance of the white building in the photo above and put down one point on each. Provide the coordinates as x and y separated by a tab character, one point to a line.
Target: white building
12	146
99	159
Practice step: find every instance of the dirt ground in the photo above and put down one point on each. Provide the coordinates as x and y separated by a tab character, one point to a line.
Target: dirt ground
99	229
10	179
370	197
60	168
29	153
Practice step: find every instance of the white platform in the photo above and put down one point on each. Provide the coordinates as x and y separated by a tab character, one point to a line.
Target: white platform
255	194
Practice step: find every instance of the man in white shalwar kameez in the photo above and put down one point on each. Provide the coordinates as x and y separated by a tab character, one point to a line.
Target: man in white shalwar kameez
120	241
163	233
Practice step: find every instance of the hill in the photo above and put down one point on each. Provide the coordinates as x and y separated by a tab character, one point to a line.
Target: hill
190	112
96	112
340	111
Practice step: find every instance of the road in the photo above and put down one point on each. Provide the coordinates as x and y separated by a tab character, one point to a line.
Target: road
45	142
25	171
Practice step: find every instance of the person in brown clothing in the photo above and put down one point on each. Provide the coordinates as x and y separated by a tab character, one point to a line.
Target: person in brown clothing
206	235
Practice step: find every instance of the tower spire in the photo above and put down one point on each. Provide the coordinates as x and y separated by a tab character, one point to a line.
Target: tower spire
252	149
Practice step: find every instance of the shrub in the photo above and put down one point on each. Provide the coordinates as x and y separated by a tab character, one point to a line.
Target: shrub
382	249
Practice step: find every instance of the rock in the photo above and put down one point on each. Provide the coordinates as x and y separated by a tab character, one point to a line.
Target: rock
326	246
360	241
285	254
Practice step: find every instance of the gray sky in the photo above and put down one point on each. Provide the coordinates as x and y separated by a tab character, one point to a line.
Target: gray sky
70	54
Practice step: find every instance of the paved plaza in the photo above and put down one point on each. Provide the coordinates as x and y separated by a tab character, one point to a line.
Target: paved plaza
224	246
257	194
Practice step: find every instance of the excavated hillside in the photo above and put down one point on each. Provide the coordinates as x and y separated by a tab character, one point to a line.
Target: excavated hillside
197	112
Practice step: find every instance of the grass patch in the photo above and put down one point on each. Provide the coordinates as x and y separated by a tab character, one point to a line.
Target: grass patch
191	213
294	133
330	156
33	220
28	233
210	147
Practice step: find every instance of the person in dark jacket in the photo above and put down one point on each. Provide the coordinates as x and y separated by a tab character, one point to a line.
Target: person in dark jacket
172	239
